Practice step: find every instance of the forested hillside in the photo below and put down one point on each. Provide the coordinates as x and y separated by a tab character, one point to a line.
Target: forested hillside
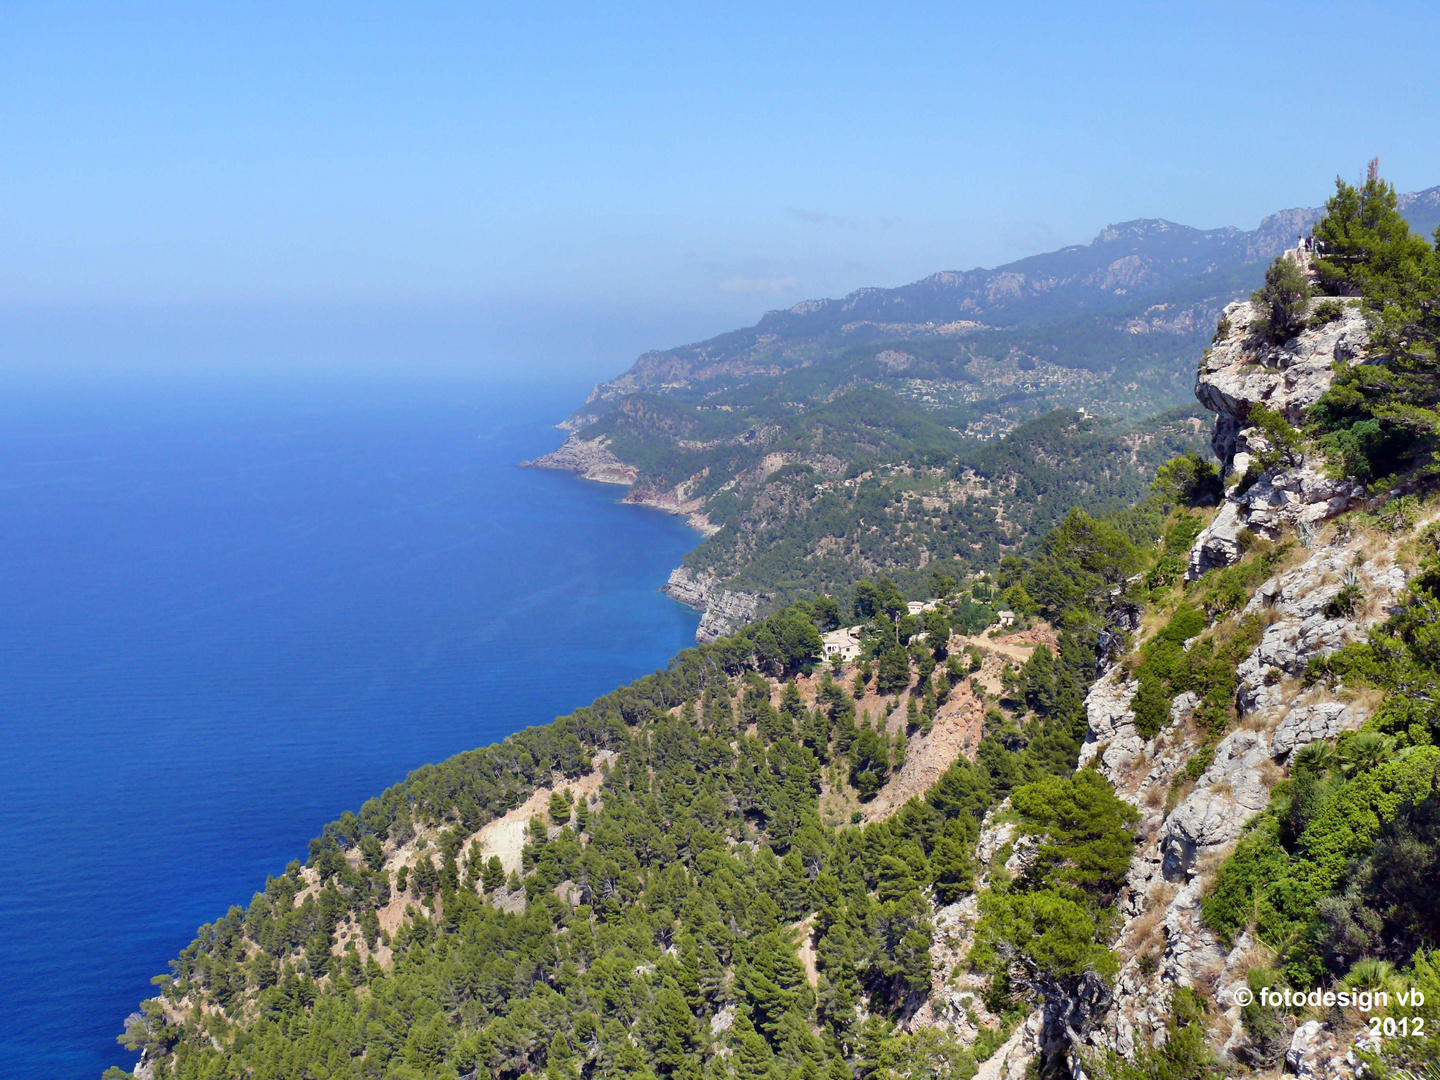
1207	761
694	913
844	438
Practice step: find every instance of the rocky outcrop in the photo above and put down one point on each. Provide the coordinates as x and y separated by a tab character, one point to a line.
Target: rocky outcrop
1164	942
1305	724
678	501
1227	795
1306	620
1110	724
1243	370
589	458
725	610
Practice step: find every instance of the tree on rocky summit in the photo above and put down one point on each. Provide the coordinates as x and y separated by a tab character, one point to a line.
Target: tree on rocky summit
1283	301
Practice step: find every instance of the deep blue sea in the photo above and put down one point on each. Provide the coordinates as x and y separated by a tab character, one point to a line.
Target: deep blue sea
229	612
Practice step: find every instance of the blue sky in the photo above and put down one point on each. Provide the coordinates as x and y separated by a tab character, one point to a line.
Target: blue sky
666	171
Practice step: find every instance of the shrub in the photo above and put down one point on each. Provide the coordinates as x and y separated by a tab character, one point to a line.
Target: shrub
1151	706
1344	603
1285	444
1324	313
1282	300
1189	480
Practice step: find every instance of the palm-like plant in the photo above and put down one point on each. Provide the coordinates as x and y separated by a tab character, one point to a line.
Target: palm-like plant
1366	751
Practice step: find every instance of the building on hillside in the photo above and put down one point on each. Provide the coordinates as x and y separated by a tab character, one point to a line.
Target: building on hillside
1005	618
915	607
844	643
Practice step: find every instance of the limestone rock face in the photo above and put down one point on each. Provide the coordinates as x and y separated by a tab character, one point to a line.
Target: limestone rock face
1164	942
1229	793
1304	624
1305	724
1336	586
1243	370
1110	724
725	610
993	837
590	458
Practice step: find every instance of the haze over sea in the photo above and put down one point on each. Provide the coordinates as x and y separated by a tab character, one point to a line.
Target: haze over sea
231	611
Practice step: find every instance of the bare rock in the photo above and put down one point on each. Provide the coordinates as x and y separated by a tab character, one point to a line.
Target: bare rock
590	458
1242	370
1110	724
993	837
1316	1053
725	610
1312	723
1192	951
1229	793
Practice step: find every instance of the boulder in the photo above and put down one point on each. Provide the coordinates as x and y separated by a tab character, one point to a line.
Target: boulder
1311	723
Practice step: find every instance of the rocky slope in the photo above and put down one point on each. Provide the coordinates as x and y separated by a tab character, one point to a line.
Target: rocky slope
724	611
1241	371
1189	823
590	459
1163	943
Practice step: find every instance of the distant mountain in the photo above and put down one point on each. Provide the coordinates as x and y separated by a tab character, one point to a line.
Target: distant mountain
947	419
1422	210
1135	277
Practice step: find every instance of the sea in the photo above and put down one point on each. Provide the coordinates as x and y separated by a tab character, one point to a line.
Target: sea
231	610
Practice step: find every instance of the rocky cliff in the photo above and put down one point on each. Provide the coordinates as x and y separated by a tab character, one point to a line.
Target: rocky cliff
590	459
1189	822
1242	370
1188	827
724	611
1194	794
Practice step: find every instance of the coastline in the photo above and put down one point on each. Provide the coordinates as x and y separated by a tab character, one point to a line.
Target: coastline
723	611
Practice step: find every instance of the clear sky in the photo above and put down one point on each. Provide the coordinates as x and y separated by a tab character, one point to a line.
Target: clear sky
663	171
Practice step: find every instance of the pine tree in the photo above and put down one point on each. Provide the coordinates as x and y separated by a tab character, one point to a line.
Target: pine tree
493	876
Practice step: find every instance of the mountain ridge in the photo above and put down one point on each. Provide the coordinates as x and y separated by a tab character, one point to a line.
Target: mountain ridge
1125	262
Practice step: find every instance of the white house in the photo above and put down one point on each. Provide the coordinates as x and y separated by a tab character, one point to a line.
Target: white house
844	643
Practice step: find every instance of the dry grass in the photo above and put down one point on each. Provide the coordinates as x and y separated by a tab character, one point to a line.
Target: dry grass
1270	773
1372	608
1142	932
1207	979
1177	794
1366	698
1208	864
1291	560
1260	720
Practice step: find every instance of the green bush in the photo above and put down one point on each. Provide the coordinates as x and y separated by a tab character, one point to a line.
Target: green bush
1189	480
1324	313
1282	300
1151	706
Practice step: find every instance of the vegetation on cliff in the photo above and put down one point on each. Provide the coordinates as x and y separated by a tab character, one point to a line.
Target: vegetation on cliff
652	931
681	907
